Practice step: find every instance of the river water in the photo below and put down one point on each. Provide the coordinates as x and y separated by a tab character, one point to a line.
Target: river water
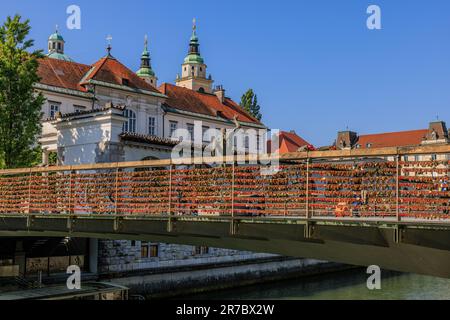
342	286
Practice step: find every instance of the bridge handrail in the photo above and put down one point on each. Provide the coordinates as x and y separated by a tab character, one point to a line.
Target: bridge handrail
307	155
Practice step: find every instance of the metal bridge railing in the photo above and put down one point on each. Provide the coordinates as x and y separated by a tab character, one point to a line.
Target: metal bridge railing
377	184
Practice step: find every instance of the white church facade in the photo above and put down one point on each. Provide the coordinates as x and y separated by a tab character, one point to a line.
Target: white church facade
105	112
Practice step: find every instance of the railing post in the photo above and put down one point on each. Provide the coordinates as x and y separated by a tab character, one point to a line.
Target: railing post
397	188
308	213
287	192
29	193
170	226
233	173
70	192
116	196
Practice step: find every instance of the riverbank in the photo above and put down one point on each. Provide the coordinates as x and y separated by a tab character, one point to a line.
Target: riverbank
211	278
344	285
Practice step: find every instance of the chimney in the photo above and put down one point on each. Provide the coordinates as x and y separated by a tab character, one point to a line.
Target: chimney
346	140
437	132
219	91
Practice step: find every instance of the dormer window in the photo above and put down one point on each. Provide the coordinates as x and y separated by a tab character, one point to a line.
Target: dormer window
369	145
125	82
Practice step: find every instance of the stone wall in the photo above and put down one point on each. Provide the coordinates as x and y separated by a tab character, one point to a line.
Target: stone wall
197	280
125	256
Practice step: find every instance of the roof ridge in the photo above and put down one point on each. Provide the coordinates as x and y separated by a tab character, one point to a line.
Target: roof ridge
241	109
393	132
47	58
287	136
91	74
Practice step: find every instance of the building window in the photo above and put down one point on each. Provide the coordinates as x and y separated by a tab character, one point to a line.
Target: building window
149	250
433	157
79	108
201	250
144	250
205	134
152	126
173	127
154	251
406	158
54	108
130	125
416	158
247	142
190	128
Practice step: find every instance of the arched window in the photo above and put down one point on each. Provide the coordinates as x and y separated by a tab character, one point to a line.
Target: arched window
130	125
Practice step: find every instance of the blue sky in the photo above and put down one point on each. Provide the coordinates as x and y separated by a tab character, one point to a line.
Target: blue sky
315	66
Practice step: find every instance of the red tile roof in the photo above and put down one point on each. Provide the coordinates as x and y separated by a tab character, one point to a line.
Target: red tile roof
203	103
392	139
110	70
289	142
62	74
74	76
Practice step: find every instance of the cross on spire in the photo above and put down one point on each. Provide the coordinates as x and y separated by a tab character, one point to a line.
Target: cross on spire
146	41
194	24
109	48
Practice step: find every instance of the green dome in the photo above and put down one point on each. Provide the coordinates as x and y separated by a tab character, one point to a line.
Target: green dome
194	58
59	56
145	72
56	37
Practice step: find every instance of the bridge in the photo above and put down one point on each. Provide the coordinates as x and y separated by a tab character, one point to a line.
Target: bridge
386	207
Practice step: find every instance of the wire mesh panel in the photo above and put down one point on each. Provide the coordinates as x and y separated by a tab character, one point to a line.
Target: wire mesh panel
423	188
202	191
353	188
142	191
50	192
15	193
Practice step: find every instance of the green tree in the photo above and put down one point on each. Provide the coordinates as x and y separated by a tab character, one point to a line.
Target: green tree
249	102
20	104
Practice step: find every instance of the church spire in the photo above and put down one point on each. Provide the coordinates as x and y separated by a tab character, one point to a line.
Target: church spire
146	72
193	74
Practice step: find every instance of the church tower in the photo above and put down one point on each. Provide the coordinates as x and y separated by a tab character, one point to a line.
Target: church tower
146	72
56	47
193	73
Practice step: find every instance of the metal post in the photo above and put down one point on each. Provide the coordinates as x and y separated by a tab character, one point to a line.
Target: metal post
232	190
287	189
232	227
70	193
397	186
308	214
116	197
169	226
29	193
